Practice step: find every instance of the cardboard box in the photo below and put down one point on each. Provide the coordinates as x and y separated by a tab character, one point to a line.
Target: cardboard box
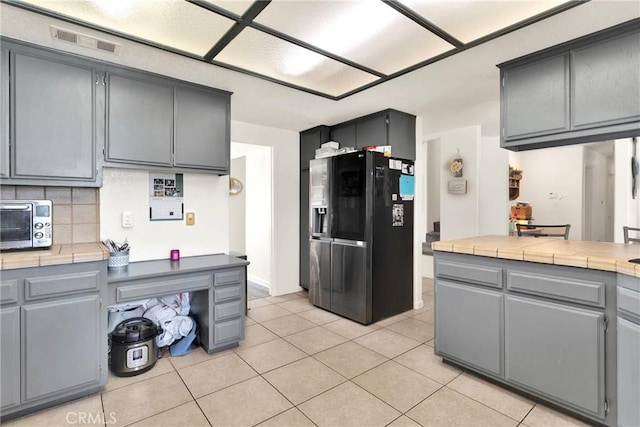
521	212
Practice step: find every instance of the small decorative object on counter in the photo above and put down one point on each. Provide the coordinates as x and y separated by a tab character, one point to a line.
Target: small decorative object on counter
456	165
175	254
118	254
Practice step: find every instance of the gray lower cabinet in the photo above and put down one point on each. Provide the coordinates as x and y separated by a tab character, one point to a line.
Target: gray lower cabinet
139	120
469	325
10	361
556	350
54	345
202	134
53	100
228	308
628	373
62	345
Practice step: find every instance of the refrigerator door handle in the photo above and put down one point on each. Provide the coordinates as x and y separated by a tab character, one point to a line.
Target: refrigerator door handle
345	242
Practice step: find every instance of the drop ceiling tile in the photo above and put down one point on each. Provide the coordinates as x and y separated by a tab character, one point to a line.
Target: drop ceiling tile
264	54
176	24
366	32
469	20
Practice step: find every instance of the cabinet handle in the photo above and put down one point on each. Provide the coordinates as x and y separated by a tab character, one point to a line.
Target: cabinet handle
104	77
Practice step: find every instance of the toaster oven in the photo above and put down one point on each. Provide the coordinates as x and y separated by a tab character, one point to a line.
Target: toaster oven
25	224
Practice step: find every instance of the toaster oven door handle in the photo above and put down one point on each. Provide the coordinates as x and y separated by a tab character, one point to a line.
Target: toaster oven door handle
16	207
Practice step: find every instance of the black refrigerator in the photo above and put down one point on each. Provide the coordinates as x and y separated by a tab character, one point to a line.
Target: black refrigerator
361	235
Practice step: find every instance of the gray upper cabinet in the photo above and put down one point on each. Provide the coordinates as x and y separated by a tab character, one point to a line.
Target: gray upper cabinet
344	134
535	98
371	131
139	120
605	82
202	134
53	120
585	90
4	113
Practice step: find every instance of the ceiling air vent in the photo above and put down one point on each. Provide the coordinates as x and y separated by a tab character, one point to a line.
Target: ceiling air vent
83	40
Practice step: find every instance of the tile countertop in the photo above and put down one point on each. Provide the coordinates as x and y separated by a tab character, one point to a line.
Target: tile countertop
55	255
574	253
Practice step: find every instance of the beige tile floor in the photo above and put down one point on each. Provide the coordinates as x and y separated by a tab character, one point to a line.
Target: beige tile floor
302	366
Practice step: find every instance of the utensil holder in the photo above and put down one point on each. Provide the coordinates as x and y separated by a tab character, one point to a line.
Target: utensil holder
118	260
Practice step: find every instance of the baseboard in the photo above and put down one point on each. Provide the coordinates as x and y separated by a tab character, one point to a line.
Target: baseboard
258	281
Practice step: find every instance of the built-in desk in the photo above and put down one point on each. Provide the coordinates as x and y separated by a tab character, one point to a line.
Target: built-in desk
217	284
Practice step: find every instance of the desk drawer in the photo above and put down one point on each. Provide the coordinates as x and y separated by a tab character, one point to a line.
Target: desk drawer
228	277
476	274
226	293
228	331
561	288
166	287
228	310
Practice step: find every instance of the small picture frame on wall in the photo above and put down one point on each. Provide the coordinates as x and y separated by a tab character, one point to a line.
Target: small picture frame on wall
458	186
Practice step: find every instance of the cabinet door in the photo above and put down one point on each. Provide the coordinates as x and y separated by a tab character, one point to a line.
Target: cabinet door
53	118
10	360
4	113
139	120
61	346
468	325
304	228
372	131
628	373
202	129
535	98
605	82
556	350
345	135
402	134
310	140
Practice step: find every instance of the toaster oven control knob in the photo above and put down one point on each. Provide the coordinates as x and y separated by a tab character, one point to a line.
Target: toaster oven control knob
38	235
38	225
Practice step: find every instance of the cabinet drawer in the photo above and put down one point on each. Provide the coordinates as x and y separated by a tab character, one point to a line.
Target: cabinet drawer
42	287
228	310
226	293
166	287
476	274
228	277
228	331
556	287
629	303
8	291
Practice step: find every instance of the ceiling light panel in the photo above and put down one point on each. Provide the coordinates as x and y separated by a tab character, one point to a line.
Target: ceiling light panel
175	24
264	54
363	31
239	7
469	20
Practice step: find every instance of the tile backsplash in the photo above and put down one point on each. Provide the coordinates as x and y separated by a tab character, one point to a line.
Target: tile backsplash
76	211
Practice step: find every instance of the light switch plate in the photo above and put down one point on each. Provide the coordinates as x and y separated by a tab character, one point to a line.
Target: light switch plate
191	218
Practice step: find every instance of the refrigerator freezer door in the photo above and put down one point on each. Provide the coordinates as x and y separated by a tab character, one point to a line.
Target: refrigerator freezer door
349	294
320	273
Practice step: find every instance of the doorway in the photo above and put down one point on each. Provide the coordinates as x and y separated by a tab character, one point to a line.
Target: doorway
598	192
250	214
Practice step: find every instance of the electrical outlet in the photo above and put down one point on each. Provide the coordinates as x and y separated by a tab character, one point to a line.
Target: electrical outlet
127	219
191	218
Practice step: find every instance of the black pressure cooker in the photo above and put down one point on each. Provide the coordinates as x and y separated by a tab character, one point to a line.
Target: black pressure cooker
133	347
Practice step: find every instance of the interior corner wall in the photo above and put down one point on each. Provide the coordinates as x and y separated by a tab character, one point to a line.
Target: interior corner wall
285	145
237	208
419	214
128	190
258	189
493	191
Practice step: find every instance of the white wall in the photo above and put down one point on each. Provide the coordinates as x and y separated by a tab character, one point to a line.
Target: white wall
627	209
128	190
493	192
557	170
237	208
259	199
286	199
